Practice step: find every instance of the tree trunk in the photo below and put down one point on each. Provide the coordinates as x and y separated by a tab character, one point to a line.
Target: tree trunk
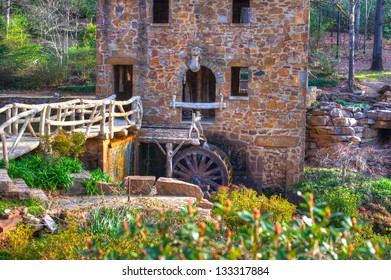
338	31
319	24
377	57
7	12
358	18
366	26
351	45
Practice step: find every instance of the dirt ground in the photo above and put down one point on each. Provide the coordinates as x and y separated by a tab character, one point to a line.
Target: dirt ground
363	62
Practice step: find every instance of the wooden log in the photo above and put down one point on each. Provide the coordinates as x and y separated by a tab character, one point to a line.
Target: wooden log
169	156
19	136
15	124
5	152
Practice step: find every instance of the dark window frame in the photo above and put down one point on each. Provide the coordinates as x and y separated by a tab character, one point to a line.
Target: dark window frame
240	16
161	13
240	81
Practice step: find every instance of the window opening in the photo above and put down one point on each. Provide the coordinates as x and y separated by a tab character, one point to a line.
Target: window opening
239	81
123	82
161	11
199	87
241	11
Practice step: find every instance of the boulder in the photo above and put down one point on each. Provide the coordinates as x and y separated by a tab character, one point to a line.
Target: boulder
319	120
173	187
205	204
106	188
140	185
6	225
344	122
49	224
5	182
78	187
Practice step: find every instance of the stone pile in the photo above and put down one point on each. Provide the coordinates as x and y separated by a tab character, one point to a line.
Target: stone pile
9	219
17	189
381	115
330	123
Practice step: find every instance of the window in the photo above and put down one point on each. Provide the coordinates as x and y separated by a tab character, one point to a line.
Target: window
241	11
239	81
123	81
161	11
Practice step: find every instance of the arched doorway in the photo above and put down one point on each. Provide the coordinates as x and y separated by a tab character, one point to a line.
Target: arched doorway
199	87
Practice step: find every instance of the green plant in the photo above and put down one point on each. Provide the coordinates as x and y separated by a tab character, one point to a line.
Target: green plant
247	199
313	237
45	172
321	82
34	205
85	88
342	200
68	144
97	175
349	104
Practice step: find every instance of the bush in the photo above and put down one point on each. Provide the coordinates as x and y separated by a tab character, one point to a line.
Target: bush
41	172
378	217
246	200
34	205
68	144
349	104
321	83
78	88
310	238
342	200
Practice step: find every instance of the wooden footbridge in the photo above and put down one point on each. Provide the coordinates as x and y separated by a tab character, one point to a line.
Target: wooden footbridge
26	126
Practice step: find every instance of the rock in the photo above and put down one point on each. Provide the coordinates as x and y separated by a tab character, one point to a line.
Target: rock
173	187
78	187
5	214
5	182
106	188
319	120
337	113
39	194
344	122
207	195
49	224
33	222
384	89
369	133
205	204
6	225
140	185
359	115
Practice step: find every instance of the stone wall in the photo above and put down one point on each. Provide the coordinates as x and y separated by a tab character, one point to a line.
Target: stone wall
268	126
330	123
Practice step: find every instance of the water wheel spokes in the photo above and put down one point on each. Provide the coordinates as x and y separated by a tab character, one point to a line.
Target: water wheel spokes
202	166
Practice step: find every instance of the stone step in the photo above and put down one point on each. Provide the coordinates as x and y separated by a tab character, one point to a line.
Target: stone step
5	182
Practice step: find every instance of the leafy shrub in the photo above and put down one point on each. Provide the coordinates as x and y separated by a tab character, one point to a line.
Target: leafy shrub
68	144
34	205
246	200
310	238
45	172
66	245
349	104
342	200
321	82
97	175
377	216
108	221
78	88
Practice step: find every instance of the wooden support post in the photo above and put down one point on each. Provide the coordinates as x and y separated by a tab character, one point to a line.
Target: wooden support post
5	152
169	156
15	127
8	116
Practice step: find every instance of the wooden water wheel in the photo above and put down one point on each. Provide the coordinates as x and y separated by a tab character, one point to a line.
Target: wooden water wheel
204	166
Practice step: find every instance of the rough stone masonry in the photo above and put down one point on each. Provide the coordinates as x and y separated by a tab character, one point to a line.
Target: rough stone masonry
264	132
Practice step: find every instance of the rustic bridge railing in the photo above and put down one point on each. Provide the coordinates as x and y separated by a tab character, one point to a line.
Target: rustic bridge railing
27	125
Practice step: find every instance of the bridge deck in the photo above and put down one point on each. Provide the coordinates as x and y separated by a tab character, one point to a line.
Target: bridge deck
26	145
24	123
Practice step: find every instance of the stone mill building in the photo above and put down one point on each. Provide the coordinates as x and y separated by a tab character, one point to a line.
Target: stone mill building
247	59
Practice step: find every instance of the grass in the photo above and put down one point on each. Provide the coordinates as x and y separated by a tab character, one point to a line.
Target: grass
34	206
371	76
